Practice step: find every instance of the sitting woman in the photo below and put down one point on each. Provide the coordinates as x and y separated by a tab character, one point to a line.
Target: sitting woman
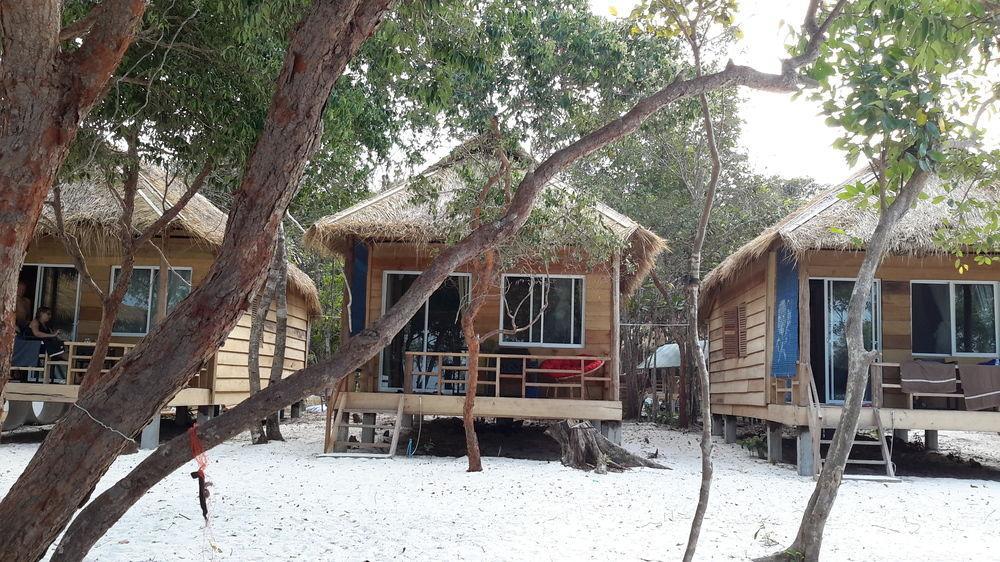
39	329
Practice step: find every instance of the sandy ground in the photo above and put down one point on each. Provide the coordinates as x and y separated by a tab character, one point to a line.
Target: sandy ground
282	502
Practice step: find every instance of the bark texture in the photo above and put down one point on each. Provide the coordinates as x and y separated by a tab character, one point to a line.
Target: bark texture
258	318
46	94
693	343
100	514
141	384
272	425
584	447
809	539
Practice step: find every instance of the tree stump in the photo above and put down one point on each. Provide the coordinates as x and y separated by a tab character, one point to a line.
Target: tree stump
584	447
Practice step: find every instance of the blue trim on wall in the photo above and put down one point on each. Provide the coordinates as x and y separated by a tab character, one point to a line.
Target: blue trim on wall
359	286
785	356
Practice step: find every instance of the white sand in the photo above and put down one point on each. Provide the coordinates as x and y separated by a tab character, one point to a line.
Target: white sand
281	502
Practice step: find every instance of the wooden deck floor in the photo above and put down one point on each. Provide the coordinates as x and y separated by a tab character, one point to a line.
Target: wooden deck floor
488	406
892	418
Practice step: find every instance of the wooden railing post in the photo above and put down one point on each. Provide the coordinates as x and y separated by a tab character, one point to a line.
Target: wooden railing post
407	373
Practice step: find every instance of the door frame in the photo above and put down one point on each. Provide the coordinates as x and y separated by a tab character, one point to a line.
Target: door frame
828	343
38	288
385	299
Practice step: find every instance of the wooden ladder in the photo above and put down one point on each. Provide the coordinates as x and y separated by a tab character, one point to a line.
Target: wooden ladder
337	443
886	455
816	428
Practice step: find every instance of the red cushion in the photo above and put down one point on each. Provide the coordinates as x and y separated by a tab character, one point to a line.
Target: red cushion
570	364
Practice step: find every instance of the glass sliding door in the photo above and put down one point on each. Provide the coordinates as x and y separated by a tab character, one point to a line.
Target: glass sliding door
837	294
435	327
58	288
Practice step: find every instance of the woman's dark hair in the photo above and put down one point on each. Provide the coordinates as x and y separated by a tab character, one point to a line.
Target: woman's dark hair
41	309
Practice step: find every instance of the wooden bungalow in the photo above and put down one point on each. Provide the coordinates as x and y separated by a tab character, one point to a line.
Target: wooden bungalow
186	249
564	365
776	312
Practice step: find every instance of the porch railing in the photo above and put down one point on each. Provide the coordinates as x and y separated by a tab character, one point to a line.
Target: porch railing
70	366
879	385
509	375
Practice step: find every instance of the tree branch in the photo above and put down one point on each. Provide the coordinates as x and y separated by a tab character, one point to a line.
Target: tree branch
71	244
170	214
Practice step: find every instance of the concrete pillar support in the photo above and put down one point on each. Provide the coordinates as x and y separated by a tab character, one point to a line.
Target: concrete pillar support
717	425
150	438
611	430
730	428
205	413
901	434
368	433
931	439
773	442
804	452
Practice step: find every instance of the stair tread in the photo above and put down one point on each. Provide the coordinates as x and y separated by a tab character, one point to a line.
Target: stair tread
856	442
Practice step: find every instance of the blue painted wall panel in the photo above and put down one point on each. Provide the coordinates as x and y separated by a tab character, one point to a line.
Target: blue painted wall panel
359	287
785	356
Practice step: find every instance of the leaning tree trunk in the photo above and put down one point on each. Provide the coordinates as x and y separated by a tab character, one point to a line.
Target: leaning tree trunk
809	539
46	94
158	367
701	363
272	425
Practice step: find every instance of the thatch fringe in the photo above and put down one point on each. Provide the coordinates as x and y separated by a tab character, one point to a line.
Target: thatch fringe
91	213
827	222
392	216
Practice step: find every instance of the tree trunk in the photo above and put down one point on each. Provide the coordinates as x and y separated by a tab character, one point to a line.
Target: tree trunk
258	318
142	383
472	382
809	539
684	382
584	447
272	424
700	361
47	94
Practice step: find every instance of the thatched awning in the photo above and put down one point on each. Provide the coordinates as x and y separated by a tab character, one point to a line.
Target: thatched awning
827	222
393	216
91	214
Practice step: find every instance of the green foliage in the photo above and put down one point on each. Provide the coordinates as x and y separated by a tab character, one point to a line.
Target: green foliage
900	77
756	444
564	225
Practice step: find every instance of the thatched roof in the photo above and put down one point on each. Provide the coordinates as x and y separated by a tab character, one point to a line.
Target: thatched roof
827	222
91	214
394	216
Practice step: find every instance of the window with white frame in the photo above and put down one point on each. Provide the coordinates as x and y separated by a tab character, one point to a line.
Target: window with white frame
542	310
953	318
138	306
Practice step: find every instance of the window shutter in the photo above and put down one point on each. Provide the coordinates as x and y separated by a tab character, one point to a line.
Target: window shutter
730	333
741	320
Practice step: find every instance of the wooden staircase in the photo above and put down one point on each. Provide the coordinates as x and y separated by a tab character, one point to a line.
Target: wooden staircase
820	440
340	419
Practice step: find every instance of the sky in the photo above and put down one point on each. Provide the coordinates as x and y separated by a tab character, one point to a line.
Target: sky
782	136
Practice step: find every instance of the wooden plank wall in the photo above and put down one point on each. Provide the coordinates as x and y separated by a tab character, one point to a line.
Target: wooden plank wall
407	257
231	381
740	381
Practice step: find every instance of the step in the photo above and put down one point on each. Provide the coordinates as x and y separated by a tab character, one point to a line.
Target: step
871	478
829	441
865	461
859	461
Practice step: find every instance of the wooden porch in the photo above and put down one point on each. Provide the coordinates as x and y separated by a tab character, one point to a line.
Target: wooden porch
57	379
519	386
